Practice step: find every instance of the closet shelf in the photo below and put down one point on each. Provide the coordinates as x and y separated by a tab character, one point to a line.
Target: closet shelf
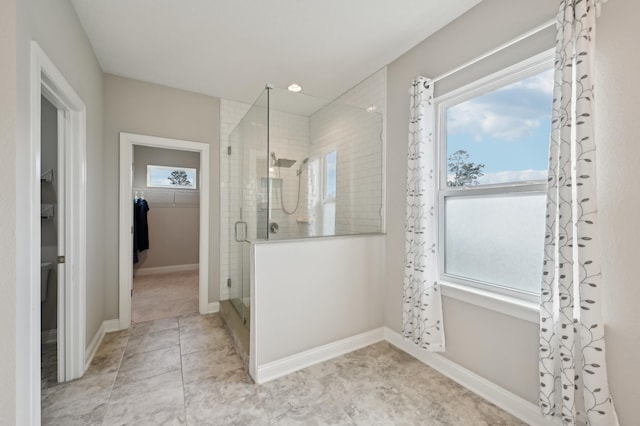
167	197
47	176
46	211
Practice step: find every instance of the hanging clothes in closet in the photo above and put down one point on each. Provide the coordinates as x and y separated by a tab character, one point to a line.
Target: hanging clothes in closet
140	227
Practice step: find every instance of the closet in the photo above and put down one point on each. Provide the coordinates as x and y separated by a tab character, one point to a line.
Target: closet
165	252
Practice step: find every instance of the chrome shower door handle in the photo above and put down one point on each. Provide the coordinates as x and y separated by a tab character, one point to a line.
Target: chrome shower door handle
243	224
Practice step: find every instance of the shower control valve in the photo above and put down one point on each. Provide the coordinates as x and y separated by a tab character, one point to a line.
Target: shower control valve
274	228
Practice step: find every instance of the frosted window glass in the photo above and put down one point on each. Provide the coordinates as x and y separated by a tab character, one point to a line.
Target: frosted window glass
496	239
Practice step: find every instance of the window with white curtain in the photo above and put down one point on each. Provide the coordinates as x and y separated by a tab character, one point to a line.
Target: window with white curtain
493	158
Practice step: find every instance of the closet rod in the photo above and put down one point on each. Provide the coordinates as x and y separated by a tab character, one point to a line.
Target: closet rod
492	52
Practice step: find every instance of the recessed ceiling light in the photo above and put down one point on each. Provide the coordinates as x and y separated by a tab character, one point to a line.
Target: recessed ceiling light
295	88
371	108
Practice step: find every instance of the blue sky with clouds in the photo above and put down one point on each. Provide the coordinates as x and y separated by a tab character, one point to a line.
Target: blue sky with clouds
507	129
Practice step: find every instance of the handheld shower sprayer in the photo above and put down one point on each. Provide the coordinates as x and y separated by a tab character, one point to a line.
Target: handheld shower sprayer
304	163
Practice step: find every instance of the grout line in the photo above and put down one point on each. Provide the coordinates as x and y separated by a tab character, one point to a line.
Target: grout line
184	392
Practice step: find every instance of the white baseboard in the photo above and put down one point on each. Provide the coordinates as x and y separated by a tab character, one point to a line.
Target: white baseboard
106	327
49	336
165	269
293	363
211	308
508	401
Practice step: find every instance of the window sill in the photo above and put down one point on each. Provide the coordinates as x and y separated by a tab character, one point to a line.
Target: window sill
511	306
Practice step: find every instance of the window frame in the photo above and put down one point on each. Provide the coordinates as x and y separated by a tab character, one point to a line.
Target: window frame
456	284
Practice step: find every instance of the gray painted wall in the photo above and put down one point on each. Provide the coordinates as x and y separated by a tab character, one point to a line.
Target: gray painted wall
9	135
173	230
475	336
617	129
136	107
54	25
501	348
145	155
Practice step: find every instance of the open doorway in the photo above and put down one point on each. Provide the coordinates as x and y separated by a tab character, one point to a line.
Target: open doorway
51	241
166	223
56	233
157	274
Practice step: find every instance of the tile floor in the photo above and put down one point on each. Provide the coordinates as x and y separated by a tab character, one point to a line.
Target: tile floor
154	297
185	371
49	365
164	295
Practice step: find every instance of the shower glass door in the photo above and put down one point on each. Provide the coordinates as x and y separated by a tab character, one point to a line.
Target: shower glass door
248	199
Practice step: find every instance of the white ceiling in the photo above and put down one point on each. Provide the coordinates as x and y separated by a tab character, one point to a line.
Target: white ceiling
232	48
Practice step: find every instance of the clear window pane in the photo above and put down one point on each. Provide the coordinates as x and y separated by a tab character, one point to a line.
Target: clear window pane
330	173
171	177
501	136
496	239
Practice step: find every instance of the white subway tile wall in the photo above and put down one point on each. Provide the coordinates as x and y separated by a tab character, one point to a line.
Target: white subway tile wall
354	126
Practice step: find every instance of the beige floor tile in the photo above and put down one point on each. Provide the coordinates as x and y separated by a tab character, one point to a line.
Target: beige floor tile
228	400
184	370
146	327
116	339
156	400
291	393
164	296
153	340
192	340
77	401
211	363
105	361
144	365
201	322
49	365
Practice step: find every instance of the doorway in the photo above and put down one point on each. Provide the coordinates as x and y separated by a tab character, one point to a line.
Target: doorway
51	242
129	191
166	206
64	213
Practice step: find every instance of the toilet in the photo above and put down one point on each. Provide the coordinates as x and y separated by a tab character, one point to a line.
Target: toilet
45	267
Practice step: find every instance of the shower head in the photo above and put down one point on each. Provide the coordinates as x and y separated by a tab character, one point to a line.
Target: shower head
281	162
284	162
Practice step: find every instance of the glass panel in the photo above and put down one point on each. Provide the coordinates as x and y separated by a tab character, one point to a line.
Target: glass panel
323	151
496	239
235	220
501	136
248	207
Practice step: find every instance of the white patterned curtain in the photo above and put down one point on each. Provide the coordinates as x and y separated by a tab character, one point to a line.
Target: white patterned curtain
422	303
573	374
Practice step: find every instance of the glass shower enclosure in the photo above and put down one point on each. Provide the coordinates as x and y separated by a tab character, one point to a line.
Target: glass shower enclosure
301	167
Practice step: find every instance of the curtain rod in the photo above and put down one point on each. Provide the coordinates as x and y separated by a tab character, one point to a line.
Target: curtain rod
492	52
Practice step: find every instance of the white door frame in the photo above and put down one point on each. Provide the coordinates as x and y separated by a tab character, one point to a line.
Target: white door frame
127	141
46	80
